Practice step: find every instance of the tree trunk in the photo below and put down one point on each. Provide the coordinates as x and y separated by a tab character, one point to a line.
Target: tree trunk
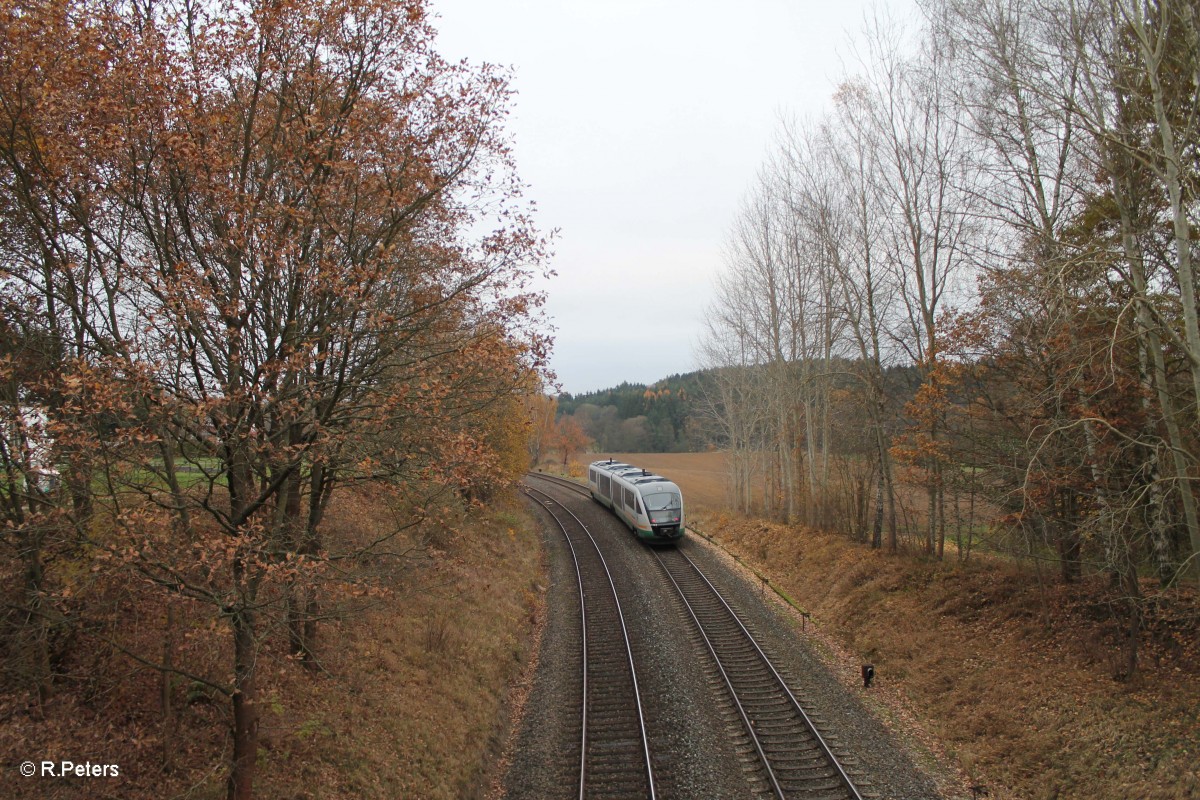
1150	344
1172	173
321	483
38	628
1133	630
167	709
167	448
291	531
1069	550
877	528
245	710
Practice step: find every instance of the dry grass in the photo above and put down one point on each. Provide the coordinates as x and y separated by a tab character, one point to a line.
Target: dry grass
416	704
1014	678
412	701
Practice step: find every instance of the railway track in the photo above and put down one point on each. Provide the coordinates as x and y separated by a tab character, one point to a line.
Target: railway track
559	481
796	760
614	750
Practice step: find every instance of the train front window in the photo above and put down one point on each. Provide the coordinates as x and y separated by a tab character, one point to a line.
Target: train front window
662	501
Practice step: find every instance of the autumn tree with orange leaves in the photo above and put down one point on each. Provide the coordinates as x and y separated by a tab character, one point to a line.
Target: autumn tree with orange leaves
569	438
539	413
237	273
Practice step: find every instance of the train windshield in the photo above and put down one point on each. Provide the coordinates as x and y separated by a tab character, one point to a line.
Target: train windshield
662	501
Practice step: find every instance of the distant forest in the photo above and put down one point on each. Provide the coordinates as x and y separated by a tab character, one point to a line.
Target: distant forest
681	413
663	417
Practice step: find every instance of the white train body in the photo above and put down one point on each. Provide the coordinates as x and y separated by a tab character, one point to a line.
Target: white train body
649	504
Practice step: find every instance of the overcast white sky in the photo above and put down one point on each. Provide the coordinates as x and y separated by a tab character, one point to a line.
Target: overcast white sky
639	125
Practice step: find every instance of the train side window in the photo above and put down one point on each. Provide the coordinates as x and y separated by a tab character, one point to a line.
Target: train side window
638	501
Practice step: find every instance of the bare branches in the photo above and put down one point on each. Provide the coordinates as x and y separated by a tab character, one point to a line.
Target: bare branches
1002	202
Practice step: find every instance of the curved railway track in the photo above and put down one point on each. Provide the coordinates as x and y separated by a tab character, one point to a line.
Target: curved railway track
614	750
559	481
795	758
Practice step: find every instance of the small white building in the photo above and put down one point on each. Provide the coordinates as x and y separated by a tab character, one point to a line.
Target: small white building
28	445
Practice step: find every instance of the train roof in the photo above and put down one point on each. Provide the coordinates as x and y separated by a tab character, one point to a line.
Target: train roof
643	480
609	464
638	476
644	477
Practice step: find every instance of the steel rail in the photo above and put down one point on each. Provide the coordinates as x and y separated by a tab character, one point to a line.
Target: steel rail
583	638
530	491
561	481
758	746
832	760
762	756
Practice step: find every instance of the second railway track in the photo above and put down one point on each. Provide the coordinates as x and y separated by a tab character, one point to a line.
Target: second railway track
614	750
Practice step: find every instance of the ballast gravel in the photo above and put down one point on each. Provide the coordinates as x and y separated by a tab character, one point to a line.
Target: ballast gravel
698	747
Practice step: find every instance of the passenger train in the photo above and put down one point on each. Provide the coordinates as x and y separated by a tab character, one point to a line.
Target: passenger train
649	504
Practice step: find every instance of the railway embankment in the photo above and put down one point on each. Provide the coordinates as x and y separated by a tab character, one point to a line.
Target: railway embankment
1016	679
418	673
419	682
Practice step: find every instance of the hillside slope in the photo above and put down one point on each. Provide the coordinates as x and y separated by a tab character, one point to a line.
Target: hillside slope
412	698
1019	679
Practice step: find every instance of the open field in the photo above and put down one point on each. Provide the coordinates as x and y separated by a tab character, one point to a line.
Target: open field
701	476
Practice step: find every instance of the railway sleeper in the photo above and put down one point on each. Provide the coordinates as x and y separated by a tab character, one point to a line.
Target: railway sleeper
616	763
784	731
807	766
610	709
608	664
810	763
614	731
828	788
826	783
795	749
819	794
623	789
773	714
761	690
749	661
769	715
